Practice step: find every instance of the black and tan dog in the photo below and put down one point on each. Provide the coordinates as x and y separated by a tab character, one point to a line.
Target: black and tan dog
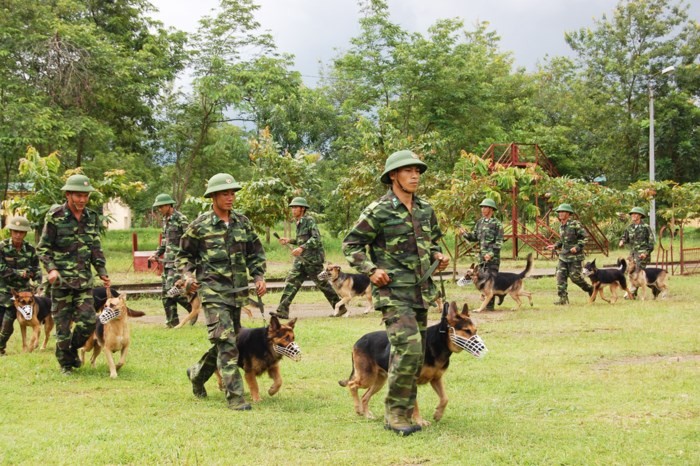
652	277
33	311
347	286
600	278
505	283
371	353
261	349
111	333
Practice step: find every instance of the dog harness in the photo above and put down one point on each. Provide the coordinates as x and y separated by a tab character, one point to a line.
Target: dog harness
292	351
108	314
474	344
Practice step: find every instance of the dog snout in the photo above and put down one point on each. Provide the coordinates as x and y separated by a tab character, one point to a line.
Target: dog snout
323	275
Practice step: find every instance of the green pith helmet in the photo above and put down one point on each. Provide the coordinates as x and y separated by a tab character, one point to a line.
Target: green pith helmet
18	223
78	184
638	210
488	202
402	158
221	182
565	208
163	199
299	202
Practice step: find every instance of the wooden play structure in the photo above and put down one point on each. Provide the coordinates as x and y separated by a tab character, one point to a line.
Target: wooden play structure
541	234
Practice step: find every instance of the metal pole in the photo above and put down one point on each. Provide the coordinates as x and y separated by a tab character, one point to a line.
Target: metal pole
652	163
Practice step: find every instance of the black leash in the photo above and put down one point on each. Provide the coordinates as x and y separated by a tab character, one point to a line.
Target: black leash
260	304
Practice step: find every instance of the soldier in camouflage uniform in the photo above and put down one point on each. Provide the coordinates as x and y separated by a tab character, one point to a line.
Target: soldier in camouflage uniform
572	238
640	238
488	231
174	225
218	247
394	242
308	260
69	246
19	264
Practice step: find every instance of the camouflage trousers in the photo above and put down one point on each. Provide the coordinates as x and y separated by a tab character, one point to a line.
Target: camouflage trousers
223	324
72	306
406	329
638	261
8	314
170	304
572	270
491	268
296	276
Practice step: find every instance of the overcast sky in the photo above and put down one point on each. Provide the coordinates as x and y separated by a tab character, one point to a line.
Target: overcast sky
315	30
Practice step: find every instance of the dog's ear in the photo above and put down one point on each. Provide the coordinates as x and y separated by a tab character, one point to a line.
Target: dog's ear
593	263
452	312
336	267
465	310
14	292
292	322
274	323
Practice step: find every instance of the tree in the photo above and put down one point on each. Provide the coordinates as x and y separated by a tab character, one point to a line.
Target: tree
602	107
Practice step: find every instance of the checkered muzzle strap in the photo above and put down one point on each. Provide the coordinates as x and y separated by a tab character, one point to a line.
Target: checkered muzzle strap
474	344
173	292
26	311
292	351
108	313
464	281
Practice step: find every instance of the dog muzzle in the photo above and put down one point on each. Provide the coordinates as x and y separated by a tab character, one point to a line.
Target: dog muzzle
322	276
27	312
475	345
173	292
108	314
464	281
292	351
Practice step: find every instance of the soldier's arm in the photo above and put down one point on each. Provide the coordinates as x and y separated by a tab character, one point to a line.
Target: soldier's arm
5	270
435	235
314	241
34	271
582	236
355	243
97	256
255	256
188	255
44	248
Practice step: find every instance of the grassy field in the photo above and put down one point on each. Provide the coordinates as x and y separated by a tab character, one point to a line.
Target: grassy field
601	384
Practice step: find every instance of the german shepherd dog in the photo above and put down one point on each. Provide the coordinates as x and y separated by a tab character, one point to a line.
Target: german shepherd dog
505	283
261	349
652	277
111	333
33	311
600	278
347	286
371	353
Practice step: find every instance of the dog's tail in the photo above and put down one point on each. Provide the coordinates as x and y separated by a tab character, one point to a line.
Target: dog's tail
134	313
528	267
622	264
344	382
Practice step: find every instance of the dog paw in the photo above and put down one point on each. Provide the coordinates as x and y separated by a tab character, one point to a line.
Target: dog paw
422	422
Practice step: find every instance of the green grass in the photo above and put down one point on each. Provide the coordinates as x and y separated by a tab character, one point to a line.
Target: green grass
601	384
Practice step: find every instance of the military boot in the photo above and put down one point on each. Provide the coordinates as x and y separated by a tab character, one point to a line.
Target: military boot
397	422
197	387
563	300
239	404
342	310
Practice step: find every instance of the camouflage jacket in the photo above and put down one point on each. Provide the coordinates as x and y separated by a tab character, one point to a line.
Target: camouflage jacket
219	255
71	247
403	243
571	234
489	233
174	227
309	239
640	238
13	264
